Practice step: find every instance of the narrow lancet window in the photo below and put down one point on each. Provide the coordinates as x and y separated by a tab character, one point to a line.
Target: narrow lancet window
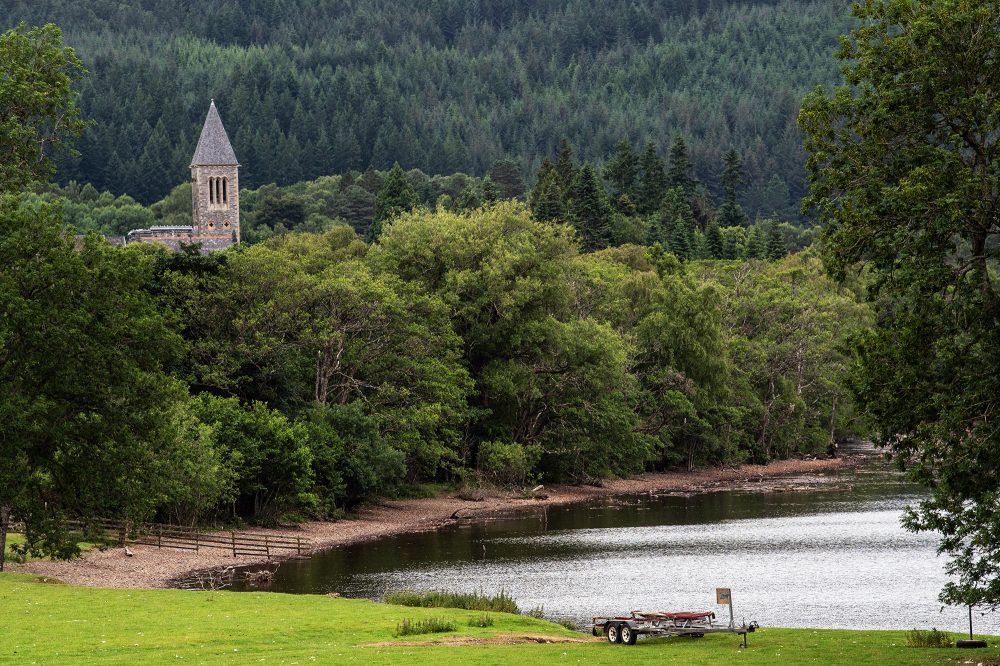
211	191
225	195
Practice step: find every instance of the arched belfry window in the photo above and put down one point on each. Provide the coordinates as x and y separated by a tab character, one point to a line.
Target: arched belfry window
225	195
211	191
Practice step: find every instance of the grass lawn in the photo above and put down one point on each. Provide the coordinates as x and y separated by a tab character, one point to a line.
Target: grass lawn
52	623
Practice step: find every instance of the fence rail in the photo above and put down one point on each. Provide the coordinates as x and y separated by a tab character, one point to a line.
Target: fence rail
189	538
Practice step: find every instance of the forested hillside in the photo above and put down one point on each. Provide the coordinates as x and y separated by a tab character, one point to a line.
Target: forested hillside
309	88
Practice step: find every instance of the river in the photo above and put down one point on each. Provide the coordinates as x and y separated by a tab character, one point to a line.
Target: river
833	556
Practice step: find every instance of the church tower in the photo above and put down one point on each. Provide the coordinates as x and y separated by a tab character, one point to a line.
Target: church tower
215	186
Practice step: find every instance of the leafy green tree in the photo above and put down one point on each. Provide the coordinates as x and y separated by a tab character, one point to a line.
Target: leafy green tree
38	111
679	174
588	209
268	455
622	171
905	181
280	208
86	406
395	196
652	185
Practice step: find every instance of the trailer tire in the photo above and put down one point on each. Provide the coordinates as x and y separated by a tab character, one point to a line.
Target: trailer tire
613	633
628	634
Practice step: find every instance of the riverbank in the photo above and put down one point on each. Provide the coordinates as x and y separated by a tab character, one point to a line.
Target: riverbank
150	567
62	624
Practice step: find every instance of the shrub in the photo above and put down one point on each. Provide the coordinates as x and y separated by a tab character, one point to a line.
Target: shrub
478	601
928	639
508	463
537	612
431	625
483	620
569	623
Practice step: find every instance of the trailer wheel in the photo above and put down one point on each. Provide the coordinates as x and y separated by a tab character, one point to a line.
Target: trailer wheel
613	634
628	635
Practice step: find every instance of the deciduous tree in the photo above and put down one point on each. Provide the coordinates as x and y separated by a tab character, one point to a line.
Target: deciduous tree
903	162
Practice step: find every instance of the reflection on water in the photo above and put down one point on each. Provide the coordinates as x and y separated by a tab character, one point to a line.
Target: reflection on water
832	557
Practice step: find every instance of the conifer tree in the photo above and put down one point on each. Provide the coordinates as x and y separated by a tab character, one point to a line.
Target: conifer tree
756	247
774	244
625	206
491	190
565	165
589	210
732	174
675	205
679	174
713	242
395	197
652	185
157	158
680	238
622	172
507	177
730	213
546	199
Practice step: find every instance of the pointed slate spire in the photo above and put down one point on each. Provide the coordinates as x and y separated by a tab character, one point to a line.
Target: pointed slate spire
214	148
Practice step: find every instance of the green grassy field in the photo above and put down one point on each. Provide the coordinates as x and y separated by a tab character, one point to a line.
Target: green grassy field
52	623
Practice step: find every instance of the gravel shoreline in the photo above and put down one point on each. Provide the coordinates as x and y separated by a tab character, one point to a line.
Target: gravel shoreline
150	567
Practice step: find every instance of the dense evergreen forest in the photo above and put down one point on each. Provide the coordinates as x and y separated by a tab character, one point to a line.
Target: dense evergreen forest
310	88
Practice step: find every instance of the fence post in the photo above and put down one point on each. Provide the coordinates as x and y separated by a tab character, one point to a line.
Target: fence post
232	533
298	545
267	546
159	536
196	542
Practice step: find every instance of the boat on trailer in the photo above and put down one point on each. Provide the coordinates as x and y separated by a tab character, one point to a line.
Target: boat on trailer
626	629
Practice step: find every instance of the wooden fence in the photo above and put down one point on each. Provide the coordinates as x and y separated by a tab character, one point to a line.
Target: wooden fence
189	538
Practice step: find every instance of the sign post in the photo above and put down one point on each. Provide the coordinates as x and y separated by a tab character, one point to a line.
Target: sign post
724	597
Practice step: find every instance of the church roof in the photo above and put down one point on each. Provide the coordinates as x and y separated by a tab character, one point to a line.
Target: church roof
214	148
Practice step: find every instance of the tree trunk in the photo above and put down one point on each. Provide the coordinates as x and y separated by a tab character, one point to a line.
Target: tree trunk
5	512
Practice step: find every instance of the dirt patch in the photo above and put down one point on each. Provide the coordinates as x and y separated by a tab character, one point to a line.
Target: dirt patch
500	639
154	567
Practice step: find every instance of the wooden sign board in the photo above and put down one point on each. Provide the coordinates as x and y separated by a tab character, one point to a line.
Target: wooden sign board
723	596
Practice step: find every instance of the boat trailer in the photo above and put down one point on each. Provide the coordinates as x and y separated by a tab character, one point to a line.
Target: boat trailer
627	629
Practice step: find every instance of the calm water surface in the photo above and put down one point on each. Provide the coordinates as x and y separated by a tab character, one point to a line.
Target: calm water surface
831	557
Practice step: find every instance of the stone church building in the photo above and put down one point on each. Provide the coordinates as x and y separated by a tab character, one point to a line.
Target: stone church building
215	195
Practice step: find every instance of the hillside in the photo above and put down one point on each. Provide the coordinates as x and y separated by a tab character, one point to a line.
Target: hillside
310	88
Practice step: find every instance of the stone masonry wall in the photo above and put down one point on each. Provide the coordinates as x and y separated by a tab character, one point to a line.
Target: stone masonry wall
212	220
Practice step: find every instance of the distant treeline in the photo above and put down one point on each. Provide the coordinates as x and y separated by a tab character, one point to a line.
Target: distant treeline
310	88
641	199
